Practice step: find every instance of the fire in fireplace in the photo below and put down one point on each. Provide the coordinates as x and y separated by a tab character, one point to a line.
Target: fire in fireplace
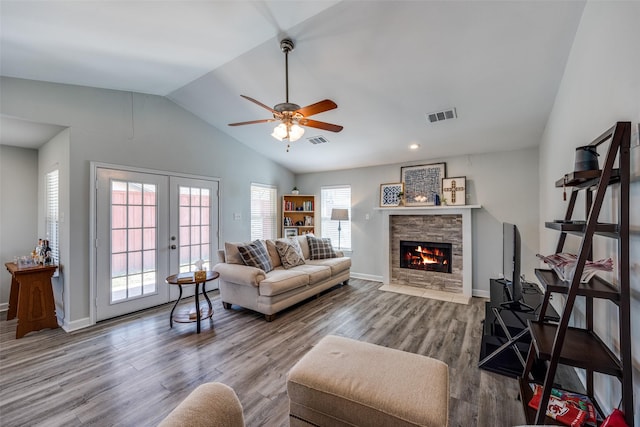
427	256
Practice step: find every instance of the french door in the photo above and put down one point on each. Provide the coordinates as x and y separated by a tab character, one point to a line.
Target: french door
149	226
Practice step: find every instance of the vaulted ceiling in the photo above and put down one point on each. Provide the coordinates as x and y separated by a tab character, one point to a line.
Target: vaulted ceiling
385	63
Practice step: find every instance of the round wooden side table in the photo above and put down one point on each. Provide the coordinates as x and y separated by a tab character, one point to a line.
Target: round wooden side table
200	314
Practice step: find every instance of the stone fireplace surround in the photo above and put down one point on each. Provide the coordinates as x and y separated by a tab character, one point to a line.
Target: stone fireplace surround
427	228
463	217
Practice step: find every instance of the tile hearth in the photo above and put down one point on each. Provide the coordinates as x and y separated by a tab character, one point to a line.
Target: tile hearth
426	293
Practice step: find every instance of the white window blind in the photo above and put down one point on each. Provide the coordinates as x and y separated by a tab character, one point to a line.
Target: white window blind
52	218
263	212
336	197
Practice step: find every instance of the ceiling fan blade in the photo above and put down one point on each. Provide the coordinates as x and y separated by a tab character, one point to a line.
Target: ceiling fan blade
320	125
259	103
318	107
252	122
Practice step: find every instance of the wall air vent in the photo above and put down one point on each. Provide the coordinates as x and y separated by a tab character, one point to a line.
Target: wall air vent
439	116
317	140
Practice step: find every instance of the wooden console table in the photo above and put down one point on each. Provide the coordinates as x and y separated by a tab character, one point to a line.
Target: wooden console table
31	298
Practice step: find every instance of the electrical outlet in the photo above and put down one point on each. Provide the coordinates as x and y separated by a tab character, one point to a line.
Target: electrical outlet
237	216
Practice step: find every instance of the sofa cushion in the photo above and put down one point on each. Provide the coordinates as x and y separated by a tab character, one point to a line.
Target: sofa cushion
304	245
273	253
337	265
231	253
279	281
290	253
320	248
255	254
317	273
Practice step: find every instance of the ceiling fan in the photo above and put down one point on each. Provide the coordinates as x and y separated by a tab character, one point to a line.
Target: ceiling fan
290	115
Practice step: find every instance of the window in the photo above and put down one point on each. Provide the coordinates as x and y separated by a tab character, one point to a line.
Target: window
336	197
263	212
52	219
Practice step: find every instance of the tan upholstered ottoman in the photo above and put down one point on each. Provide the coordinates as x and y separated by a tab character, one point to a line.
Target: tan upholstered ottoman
343	382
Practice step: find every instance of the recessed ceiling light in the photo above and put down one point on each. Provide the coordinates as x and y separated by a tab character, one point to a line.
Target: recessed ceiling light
414	146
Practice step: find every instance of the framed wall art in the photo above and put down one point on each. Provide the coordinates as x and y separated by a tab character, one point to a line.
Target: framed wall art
390	194
454	190
290	232
422	183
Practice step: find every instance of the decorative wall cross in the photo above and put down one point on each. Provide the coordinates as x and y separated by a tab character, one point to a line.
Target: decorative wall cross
453	188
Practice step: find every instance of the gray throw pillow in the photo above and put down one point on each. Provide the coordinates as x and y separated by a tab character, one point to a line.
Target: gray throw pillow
255	255
290	253
320	248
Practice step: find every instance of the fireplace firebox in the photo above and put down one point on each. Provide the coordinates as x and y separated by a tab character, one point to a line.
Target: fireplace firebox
426	256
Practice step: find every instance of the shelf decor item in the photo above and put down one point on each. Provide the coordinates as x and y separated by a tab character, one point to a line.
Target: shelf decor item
454	190
290	232
390	194
422	183
564	266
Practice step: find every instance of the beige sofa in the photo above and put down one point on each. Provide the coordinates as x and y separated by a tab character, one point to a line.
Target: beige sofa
269	293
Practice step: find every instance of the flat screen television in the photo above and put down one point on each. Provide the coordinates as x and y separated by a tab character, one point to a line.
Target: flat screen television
511	260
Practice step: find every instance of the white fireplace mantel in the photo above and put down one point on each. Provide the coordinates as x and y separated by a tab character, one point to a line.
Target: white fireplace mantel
467	237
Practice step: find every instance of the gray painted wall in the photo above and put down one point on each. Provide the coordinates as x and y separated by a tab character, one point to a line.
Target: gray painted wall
135	130
504	183
601	85
55	155
18	208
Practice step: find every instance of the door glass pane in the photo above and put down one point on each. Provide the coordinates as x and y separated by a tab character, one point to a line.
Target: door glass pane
195	208
134	216
134	241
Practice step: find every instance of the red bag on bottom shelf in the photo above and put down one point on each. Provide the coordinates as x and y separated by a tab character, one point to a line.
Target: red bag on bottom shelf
560	410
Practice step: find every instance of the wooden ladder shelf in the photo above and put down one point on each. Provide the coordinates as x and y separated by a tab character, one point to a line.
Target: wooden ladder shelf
582	347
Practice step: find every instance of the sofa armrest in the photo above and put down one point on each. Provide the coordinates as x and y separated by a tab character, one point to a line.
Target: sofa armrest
339	254
240	274
209	405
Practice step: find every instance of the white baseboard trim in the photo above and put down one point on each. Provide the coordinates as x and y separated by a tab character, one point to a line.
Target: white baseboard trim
5	306
77	324
366	277
479	293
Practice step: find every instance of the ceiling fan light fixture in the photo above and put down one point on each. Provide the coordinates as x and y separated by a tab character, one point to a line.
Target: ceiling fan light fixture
295	133
280	132
287	131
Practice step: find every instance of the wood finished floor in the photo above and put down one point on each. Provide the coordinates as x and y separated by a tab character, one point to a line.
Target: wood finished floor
132	371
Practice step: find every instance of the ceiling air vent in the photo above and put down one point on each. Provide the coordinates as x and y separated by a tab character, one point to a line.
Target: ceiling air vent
317	140
439	116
